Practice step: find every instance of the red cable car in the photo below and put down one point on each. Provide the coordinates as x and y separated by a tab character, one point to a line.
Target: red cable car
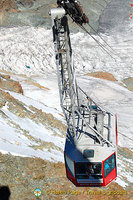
91	165
90	149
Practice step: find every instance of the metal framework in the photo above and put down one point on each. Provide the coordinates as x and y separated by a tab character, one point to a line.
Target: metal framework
83	115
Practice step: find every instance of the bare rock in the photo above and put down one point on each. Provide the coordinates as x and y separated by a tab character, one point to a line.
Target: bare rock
5	76
9	84
102	75
129	83
7	5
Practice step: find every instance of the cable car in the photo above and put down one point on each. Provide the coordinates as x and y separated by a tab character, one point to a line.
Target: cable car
91	165
91	142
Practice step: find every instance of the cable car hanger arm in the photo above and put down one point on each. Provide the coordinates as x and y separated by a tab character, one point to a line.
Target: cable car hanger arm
75	11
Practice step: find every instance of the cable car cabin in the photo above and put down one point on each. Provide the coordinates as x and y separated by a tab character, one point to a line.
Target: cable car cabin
91	164
92	171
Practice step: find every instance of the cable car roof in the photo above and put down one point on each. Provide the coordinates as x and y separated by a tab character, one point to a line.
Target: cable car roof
76	152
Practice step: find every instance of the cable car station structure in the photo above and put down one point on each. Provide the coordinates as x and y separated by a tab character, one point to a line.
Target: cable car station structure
91	139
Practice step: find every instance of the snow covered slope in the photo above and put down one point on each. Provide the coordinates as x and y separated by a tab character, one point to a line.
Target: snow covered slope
30	127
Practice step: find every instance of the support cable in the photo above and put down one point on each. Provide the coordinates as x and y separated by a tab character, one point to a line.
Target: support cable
101	38
103	47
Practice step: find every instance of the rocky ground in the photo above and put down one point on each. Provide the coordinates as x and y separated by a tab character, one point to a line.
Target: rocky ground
9	84
102	75
23	175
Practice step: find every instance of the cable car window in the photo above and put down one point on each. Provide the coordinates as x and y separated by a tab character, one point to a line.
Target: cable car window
88	153
70	165
83	170
109	165
97	168
92	168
